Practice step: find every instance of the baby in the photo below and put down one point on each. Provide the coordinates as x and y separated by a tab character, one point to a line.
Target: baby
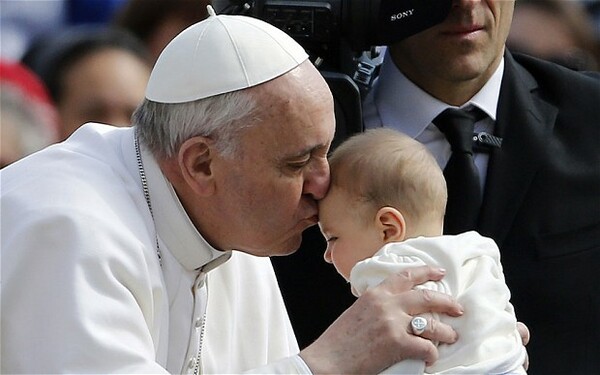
383	214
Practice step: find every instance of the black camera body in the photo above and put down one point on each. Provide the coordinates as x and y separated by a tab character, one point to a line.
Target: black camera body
335	32
341	38
332	29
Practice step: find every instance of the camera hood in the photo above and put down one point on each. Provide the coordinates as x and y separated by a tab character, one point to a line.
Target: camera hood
384	22
361	23
335	32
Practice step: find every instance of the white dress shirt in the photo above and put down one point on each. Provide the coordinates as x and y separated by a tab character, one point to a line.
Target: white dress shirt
83	290
396	102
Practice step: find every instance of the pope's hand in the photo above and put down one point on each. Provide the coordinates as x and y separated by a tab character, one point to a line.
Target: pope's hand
374	332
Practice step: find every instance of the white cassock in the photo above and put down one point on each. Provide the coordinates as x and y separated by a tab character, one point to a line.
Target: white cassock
489	342
83	290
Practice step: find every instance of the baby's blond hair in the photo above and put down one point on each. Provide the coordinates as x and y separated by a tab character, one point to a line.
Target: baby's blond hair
383	167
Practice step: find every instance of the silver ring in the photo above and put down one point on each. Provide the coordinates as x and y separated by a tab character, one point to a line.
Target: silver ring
418	325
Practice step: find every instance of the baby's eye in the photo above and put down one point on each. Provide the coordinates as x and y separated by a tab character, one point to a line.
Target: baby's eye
331	239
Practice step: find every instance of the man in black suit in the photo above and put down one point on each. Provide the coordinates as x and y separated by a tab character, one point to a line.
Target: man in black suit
541	187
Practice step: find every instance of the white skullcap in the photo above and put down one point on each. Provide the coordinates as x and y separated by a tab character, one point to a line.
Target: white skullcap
221	54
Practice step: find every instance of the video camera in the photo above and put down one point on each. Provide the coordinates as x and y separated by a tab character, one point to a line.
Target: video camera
342	39
334	32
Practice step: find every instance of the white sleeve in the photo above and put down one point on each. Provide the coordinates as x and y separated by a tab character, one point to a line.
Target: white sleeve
372	271
73	301
290	365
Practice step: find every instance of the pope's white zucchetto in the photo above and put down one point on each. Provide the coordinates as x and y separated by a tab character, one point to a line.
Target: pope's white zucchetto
221	54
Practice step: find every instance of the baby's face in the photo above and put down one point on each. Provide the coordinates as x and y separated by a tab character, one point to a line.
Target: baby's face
349	238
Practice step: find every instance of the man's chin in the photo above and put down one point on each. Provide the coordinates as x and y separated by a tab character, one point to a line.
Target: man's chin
290	247
292	244
287	247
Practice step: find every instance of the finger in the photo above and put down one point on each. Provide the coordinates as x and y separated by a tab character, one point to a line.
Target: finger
524	332
419	301
416	347
411	277
436	331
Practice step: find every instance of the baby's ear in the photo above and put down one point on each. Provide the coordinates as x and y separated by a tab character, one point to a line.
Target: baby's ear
391	224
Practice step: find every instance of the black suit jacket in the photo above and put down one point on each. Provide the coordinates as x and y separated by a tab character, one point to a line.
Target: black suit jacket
541	205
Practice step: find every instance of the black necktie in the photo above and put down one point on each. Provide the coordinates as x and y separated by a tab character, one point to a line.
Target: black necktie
462	176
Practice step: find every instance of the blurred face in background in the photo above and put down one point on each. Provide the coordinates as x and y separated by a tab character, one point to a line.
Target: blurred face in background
106	86
10	147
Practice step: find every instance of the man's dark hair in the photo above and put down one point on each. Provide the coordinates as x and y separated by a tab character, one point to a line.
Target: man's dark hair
52	57
144	17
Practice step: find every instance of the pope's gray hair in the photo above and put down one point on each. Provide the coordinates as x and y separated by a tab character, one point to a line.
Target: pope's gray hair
164	127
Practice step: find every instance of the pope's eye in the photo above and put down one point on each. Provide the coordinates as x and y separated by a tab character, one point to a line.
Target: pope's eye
299	164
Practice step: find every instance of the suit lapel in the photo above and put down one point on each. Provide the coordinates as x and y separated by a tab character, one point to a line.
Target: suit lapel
525	123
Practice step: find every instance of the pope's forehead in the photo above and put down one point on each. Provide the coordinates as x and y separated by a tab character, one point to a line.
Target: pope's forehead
289	104
302	82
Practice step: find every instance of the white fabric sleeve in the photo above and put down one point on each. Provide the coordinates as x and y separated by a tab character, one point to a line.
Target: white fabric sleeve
72	300
488	339
290	365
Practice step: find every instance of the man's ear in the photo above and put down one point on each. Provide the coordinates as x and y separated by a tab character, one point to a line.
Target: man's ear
195	159
391	224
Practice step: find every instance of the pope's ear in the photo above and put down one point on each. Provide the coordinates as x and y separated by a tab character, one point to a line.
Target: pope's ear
391	224
195	159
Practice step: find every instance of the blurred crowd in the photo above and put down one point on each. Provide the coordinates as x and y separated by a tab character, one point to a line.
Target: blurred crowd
67	62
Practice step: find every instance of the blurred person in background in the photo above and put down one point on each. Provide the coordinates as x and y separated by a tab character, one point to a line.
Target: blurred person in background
156	22
23	21
93	73
556	30
91	11
27	115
